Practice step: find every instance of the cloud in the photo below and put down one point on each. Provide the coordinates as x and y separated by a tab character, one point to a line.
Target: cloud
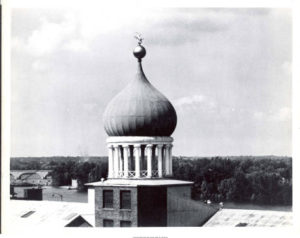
181	26
50	37
287	67
77	45
184	101
38	65
284	114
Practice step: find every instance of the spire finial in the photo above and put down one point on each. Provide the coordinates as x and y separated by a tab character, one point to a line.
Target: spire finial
139	51
139	37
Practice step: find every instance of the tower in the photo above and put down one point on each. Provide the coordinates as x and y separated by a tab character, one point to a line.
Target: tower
140	190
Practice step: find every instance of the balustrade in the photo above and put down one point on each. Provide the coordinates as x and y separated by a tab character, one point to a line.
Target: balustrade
122	157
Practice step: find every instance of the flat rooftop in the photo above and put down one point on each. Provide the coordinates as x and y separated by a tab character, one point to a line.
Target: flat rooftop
140	182
27	215
252	218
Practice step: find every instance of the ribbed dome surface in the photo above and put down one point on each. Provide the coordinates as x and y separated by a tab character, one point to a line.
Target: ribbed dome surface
140	110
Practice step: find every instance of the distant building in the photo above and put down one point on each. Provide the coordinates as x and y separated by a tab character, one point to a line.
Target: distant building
74	183
34	177
140	191
33	194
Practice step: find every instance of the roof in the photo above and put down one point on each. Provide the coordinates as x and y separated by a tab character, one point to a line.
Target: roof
18	173
140	182
252	218
29	214
139	110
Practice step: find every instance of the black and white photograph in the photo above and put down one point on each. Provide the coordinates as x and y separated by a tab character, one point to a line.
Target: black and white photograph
135	116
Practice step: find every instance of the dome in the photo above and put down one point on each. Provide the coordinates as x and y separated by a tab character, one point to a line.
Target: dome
139	109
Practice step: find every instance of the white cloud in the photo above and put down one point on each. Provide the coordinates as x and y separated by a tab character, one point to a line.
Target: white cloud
48	38
189	100
52	36
287	67
77	45
283	114
258	115
38	65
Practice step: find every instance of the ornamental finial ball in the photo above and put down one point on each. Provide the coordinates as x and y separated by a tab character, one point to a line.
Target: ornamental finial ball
139	52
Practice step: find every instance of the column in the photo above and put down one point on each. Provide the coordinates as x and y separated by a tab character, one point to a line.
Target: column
137	153
169	147
167	159
125	154
116	161
159	160
131	155
149	160
110	161
120	161
154	163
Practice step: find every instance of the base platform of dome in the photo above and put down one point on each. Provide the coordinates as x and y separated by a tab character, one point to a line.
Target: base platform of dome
135	157
143	182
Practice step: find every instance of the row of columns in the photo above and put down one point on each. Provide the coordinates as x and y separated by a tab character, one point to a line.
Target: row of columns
120	156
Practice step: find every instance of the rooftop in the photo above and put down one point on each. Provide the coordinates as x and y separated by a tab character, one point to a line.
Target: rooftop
252	218
32	214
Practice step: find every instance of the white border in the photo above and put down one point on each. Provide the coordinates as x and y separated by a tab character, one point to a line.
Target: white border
151	232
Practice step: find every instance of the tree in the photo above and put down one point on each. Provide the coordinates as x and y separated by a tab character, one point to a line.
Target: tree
227	189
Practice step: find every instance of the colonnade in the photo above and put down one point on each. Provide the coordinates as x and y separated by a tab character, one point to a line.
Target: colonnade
141	160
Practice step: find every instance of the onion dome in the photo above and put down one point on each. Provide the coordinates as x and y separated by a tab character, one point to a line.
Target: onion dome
139	109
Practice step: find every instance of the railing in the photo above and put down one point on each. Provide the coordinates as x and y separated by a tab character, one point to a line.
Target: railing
143	174
121	174
131	174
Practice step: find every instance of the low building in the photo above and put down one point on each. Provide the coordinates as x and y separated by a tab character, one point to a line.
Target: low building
28	215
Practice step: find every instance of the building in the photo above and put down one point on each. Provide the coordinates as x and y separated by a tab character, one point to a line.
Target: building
29	215
140	191
34	177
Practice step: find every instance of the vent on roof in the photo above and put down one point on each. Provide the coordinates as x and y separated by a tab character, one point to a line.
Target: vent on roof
27	214
241	224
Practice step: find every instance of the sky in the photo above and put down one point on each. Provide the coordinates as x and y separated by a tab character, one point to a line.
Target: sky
226	71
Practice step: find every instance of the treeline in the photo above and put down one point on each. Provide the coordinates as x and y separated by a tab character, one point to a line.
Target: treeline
83	172
260	181
49	163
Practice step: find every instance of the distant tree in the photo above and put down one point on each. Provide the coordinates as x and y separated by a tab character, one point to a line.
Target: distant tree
227	189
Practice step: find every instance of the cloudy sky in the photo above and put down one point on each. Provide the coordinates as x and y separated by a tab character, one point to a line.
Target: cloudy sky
226	71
